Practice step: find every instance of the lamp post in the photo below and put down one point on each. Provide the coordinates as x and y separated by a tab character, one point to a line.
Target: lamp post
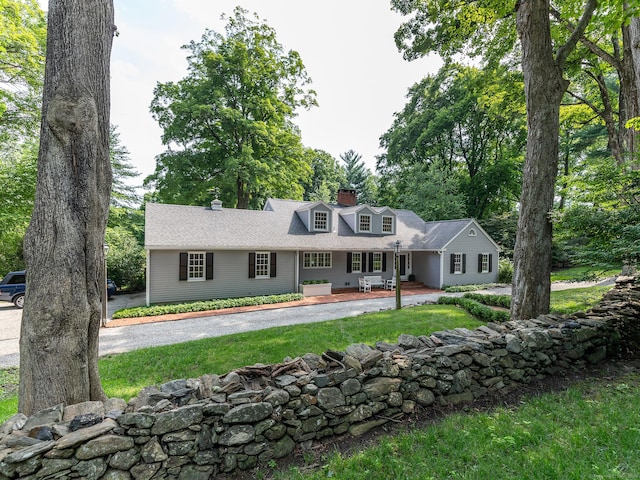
105	297
398	282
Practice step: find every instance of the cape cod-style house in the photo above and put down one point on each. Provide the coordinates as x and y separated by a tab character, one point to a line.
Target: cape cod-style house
197	253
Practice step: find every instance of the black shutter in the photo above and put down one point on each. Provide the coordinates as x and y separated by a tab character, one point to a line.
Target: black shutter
363	257
479	263
184	263
371	261
384	261
252	265
452	263
272	272
349	262
490	262
464	263
209	265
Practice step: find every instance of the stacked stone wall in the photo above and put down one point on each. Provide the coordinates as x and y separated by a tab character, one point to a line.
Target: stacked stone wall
198	428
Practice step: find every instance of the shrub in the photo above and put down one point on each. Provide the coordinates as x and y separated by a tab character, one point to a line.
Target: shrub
505	271
478	310
471	288
206	305
314	282
495	300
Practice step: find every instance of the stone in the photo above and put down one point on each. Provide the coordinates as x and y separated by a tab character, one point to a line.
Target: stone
237	435
124	460
380	386
103	446
362	428
139	420
359	350
28	452
47	416
277	397
52	466
177	419
144	471
152	452
330	397
85	434
249	413
424	397
83	408
407	342
91	469
350	387
283	447
112	474
84	421
15	422
192	472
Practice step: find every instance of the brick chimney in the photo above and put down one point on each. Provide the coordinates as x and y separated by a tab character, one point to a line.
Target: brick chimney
347	197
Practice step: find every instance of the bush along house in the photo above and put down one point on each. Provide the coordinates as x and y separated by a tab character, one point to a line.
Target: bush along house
198	253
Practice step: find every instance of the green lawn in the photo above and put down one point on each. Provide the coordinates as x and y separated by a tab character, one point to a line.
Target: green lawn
579	274
591	431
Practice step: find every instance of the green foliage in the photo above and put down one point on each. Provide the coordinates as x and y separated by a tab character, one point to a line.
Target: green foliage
503	301
359	177
126	259
123	194
505	271
314	282
478	310
204	306
589	431
23	29
471	288
457	145
228	124
327	177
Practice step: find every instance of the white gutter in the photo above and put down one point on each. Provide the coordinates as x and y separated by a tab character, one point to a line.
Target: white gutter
148	281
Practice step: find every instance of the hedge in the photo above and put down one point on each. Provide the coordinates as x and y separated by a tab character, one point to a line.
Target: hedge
203	306
478	310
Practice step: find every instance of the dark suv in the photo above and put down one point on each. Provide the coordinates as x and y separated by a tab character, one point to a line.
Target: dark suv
12	288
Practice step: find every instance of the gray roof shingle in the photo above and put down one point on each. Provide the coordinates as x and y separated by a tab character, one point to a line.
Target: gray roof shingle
279	228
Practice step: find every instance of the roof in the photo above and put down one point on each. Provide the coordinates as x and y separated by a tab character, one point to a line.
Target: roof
277	227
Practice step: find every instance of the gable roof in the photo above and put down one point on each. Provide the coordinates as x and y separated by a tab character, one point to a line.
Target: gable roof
278	227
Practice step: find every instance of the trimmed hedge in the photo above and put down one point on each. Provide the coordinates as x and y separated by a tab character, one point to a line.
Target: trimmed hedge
494	300
206	305
478	310
471	288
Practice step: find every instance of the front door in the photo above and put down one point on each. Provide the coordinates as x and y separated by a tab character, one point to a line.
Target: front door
405	266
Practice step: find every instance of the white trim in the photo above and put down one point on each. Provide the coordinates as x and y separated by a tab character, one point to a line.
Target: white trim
359	270
148	281
360	216
393	230
316	254
203	277
268	266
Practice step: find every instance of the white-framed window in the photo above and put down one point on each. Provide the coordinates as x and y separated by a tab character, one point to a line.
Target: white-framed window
196	267
356	262
484	262
365	223
457	263
377	261
387	224
320	221
263	264
316	260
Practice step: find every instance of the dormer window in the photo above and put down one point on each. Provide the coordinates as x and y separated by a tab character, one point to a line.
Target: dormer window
320	221
387	224
365	223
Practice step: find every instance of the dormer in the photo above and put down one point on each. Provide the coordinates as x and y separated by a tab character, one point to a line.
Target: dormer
317	217
366	220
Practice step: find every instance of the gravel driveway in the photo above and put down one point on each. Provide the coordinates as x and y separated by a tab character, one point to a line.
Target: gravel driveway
124	339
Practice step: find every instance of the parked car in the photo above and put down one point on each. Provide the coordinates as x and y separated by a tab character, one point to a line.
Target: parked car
13	284
12	288
112	288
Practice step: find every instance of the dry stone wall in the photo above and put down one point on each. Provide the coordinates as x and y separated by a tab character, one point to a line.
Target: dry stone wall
198	428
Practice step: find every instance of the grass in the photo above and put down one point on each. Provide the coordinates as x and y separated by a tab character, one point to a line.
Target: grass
580	274
125	374
590	431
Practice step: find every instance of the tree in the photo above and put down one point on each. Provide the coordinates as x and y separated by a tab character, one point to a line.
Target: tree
22	44
122	193
359	177
228	124
459	26
327	178
466	123
64	241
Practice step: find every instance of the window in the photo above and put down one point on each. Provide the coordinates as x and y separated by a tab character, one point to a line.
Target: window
472	232
262	265
356	262
320	221
458	263
196	266
387	224
485	262
317	260
377	261
365	223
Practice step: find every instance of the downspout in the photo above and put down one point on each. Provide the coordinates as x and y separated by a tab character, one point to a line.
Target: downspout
296	273
441	253
148	281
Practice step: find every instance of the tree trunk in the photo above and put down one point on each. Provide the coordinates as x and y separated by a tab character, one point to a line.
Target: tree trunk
633	48
544	88
64	241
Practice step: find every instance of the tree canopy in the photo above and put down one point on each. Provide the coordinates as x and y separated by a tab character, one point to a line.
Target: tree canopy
229	123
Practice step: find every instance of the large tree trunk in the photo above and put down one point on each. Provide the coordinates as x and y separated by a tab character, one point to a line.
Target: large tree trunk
544	87
64	242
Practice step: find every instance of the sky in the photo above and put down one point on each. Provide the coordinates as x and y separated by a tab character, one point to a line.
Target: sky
347	48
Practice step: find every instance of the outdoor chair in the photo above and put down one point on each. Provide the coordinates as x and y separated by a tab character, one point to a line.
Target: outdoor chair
363	285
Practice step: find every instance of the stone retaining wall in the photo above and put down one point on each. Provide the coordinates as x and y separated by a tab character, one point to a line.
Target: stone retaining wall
197	428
